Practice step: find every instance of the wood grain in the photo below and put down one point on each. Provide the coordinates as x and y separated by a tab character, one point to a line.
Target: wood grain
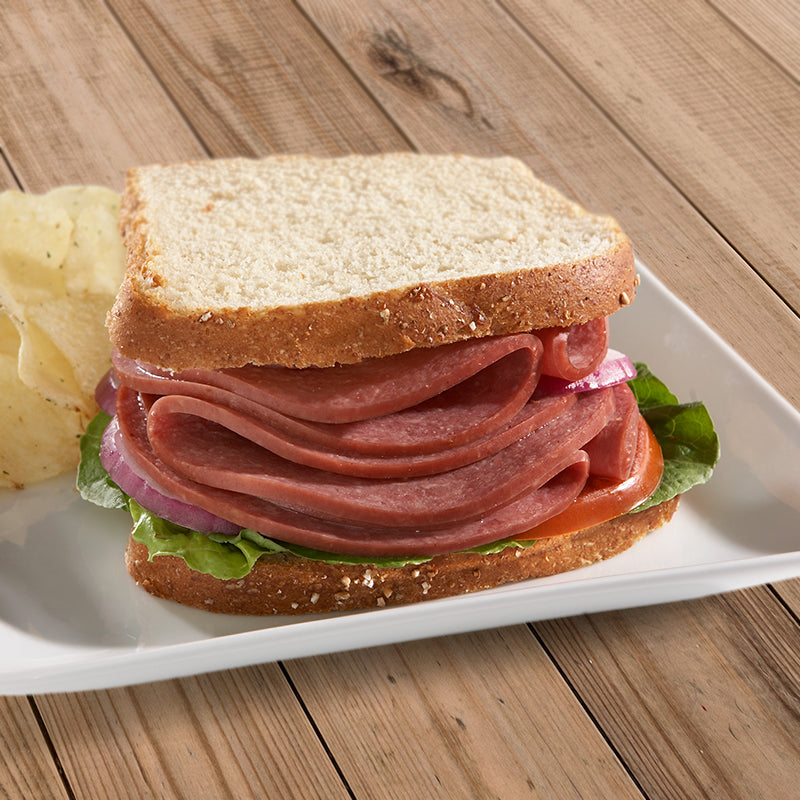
77	97
771	25
789	592
701	699
26	767
690	90
7	178
238	735
454	718
247	75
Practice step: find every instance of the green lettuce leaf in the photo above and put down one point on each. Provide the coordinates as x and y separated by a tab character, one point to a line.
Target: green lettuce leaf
685	432
649	391
93	482
228	558
232	557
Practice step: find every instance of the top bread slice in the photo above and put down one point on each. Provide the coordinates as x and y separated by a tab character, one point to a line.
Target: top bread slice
302	261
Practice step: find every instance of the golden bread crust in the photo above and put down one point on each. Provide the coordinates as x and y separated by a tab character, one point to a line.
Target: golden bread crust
285	584
385	323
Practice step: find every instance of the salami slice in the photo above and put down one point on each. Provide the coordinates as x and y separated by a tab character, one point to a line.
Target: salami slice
530	509
574	352
210	454
367	389
612	451
483	391
167	423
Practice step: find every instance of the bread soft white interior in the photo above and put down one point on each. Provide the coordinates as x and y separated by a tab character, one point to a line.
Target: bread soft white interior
287	231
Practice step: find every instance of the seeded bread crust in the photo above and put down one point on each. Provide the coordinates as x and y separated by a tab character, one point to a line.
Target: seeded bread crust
286	584
348	328
385	323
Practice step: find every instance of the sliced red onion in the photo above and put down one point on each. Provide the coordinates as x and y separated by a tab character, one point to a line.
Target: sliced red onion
105	393
616	368
130	479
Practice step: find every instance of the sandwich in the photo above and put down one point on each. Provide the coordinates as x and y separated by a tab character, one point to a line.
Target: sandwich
361	381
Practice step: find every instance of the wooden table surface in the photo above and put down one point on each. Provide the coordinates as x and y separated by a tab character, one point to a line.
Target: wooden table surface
682	119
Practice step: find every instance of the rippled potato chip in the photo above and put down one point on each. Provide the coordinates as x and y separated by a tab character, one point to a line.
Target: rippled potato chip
35	234
95	257
61	263
64	348
32	452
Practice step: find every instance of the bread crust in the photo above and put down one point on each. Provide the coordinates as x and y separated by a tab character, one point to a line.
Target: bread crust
382	324
286	584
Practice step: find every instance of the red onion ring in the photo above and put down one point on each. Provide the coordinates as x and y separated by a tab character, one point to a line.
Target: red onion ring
616	368
134	484
105	393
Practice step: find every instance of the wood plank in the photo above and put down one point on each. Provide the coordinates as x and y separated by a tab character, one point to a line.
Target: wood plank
7	178
451	76
232	735
257	88
26	767
774	25
77	99
458	717
665	682
789	592
705	105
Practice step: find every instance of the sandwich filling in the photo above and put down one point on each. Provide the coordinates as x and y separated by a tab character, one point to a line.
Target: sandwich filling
427	452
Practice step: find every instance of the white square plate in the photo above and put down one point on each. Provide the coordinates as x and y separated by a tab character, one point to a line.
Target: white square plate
71	619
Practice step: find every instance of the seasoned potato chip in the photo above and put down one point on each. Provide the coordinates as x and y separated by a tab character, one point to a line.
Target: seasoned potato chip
61	263
38	439
42	365
9	338
95	258
77	323
35	233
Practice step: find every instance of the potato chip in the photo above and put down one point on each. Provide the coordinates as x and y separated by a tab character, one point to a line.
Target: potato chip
35	233
42	366
9	338
38	439
61	263
95	259
77	323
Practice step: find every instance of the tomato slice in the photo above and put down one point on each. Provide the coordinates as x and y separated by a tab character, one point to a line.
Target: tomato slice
602	500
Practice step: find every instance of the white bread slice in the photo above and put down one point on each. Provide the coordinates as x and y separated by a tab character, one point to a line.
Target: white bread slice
285	584
301	261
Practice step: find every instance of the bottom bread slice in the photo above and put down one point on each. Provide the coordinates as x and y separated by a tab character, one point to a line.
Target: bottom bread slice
286	584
